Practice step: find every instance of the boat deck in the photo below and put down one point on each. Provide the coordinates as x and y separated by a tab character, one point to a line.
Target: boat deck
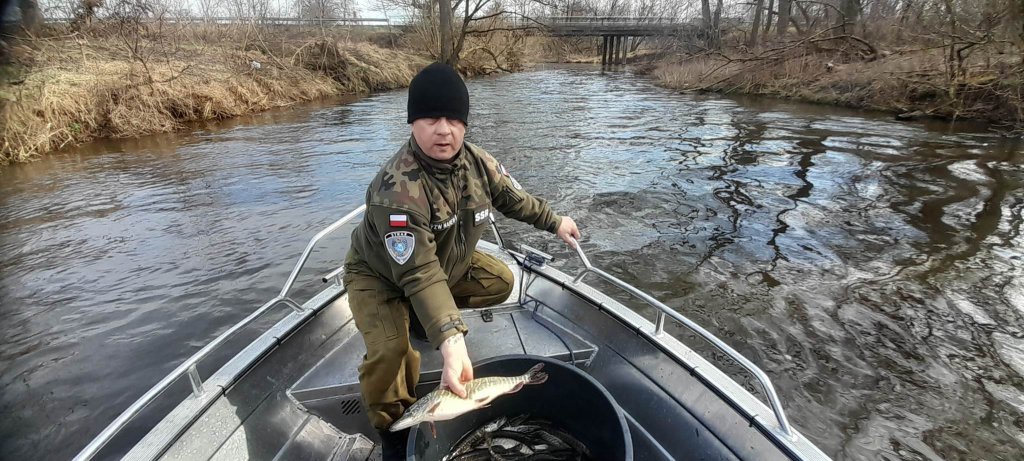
331	389
302	400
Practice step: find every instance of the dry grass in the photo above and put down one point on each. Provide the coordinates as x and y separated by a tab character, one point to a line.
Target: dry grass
912	82
69	91
359	67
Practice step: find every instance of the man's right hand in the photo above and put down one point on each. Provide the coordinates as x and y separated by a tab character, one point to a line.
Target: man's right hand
457	368
567	231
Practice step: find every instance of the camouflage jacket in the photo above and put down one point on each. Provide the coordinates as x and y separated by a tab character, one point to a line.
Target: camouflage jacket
423	220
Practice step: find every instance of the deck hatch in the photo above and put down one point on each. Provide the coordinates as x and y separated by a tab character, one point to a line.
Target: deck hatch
351	406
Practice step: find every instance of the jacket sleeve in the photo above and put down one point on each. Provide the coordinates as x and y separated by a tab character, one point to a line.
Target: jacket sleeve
511	200
409	256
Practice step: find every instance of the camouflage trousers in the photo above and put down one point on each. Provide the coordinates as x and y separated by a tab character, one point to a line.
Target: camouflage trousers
391	367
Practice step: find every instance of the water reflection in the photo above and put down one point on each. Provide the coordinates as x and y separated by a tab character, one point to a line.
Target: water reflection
872	267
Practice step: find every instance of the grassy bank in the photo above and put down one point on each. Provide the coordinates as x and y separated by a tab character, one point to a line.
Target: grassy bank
65	91
909	84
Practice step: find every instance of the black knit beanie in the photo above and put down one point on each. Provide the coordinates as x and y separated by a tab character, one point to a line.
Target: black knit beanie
438	91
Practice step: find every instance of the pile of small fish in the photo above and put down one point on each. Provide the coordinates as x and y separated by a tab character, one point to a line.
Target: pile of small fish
516	439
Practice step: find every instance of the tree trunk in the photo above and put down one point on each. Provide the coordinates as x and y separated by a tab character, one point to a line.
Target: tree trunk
1016	25
31	16
718	20
768	18
752	43
849	12
705	10
445	13
462	36
784	9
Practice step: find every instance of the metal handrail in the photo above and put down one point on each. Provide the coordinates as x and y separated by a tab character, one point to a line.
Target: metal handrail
189	366
659	328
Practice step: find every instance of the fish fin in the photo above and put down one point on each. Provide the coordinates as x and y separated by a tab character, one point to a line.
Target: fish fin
517	388
430	411
433	429
535	376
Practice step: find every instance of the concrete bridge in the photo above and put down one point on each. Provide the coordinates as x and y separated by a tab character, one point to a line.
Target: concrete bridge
618	31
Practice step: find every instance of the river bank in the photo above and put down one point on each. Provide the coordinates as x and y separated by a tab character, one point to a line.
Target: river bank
908	84
70	90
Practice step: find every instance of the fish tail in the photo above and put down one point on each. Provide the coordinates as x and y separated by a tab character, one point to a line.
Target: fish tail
535	376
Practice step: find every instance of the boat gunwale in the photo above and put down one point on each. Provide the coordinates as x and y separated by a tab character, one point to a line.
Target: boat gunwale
742	400
189	366
714	378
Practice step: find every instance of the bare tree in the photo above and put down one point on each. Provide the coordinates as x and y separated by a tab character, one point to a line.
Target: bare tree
323	9
209	9
445	18
758	7
849	13
783	23
31	15
705	9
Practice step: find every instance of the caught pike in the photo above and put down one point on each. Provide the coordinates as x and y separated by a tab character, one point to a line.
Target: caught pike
518	438
442	404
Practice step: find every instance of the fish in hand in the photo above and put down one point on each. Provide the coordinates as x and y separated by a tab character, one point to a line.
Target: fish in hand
442	404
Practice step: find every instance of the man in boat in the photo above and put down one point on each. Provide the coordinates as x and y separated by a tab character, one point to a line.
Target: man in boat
413	264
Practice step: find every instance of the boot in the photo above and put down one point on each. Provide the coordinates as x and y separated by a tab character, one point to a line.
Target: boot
392	445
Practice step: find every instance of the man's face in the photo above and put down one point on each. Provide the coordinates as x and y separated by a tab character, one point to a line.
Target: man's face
439	138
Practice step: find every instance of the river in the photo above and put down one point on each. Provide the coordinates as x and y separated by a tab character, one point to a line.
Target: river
872	267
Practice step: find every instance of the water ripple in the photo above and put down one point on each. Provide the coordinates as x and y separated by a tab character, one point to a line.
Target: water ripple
874	268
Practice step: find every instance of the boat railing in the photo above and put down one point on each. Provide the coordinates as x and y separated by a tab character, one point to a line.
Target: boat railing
663	312
190	366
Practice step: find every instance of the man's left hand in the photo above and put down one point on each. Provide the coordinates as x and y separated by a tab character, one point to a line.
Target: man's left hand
566	229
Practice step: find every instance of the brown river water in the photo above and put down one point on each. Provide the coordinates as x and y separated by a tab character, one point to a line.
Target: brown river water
872	267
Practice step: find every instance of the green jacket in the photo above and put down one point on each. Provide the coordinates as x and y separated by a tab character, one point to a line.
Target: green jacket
423	220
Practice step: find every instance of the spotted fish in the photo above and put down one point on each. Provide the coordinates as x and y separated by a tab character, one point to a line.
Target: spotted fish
442	404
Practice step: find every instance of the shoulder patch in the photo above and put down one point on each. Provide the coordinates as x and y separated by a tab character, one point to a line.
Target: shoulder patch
481	215
400	245
443	225
399	220
505	172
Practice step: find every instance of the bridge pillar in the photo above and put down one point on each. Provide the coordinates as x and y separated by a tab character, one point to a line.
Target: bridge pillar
611	47
604	50
615	49
618	49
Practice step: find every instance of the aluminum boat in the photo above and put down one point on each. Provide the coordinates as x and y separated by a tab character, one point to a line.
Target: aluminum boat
293	392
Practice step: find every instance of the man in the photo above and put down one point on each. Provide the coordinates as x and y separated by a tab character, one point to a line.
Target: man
412	260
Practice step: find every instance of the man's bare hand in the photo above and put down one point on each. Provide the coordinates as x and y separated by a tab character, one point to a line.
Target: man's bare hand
457	368
567	228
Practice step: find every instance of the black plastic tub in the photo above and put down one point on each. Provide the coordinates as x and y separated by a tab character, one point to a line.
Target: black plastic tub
569	399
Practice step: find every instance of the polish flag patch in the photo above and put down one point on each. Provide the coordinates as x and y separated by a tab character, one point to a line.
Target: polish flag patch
399	220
